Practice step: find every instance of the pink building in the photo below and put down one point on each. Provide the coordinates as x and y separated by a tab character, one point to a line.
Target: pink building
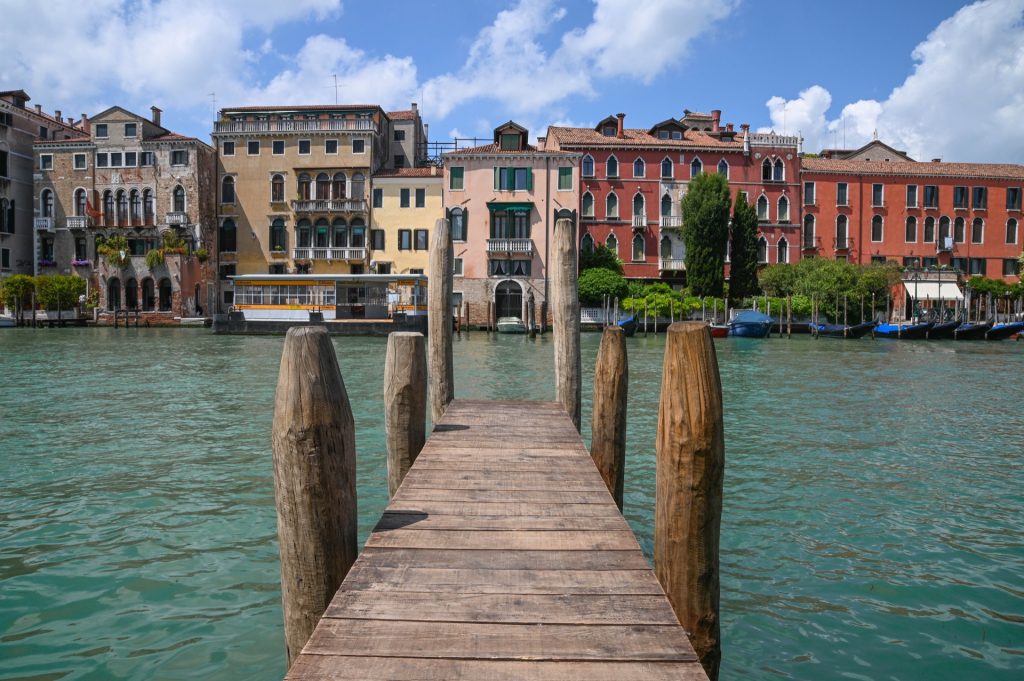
502	199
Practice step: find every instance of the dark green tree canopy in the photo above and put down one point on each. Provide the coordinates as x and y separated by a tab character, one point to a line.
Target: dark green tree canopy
743	255
705	231
598	282
601	256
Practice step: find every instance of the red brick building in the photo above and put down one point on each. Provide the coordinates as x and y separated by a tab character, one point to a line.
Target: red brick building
633	181
876	204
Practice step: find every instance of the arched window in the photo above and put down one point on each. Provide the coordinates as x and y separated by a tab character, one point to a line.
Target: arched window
508	299
588	205
779	173
762	208
148	207
666	205
666	168
959	230
783	209
587	244
762	250
611	207
305	186
876	227
108	207
179	199
131	294
978	231
911	235
46	203
588	166
358	237
148	295
612	167
322	234
165	294
766	170
612	243
808	233
113	293
357	187
227	192
639	168
666	247
277	188
135	207
929	230
943	230
458	218
339	186
122	207
323	187
843	232
723	168
303	234
638	247
278	235
228	236
340	233
79	202
782	251
1011	231
638	206
696	167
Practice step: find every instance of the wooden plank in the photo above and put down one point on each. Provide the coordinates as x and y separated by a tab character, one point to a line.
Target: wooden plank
504	509
338	668
406	494
506	560
497	641
503	608
516	540
369	577
411	520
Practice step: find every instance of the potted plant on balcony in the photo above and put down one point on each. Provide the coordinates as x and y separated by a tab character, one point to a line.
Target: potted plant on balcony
154	258
80	262
202	255
115	251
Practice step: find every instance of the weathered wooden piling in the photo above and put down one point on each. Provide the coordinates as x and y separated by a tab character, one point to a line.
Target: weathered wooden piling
566	318
608	417
531	316
439	320
313	440
689	472
405	403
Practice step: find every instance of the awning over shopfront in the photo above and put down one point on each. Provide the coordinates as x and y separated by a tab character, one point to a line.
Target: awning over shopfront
520	207
933	290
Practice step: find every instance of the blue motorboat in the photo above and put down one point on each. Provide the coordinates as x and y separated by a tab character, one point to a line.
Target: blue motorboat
628	326
903	331
750	324
1001	331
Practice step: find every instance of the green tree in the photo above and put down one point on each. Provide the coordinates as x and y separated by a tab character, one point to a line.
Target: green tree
778	280
705	231
59	291
600	257
743	258
16	292
598	282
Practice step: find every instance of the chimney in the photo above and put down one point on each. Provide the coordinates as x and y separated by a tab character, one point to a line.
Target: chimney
716	118
39	108
156	115
56	114
729	128
745	127
936	160
414	106
85	123
622	121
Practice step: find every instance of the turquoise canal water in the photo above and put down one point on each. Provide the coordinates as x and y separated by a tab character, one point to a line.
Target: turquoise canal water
873	524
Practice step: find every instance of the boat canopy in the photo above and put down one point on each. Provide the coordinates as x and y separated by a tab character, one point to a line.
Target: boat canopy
933	290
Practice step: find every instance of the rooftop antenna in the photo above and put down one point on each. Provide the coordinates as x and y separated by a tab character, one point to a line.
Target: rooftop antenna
844	132
213	98
335	87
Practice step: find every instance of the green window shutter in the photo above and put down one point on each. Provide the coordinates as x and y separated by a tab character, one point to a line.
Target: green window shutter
529	179
496	171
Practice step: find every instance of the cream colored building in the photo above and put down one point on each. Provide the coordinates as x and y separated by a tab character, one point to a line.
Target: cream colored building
406	203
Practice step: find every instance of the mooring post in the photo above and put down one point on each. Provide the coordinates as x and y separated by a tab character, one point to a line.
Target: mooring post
566	317
608	418
690	465
531	316
314	448
439	320
405	403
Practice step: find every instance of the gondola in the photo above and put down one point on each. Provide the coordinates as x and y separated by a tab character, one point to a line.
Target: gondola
841	331
903	331
1003	331
750	324
628	326
943	330
971	331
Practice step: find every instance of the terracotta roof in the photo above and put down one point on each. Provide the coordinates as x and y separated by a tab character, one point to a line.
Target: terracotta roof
494	148
922	168
301	107
409	115
637	137
410	172
172	137
73	140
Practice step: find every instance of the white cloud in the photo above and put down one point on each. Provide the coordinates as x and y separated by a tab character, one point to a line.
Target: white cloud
962	101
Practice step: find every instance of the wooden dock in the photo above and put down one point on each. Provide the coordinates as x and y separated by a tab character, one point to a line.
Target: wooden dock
502	556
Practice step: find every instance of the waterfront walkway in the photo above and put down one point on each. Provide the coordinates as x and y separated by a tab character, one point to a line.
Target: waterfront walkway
502	556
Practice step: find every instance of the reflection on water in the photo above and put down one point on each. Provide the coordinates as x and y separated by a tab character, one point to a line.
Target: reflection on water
872	524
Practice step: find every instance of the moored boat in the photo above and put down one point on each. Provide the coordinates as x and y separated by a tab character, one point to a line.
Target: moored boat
841	331
1003	331
719	330
971	331
943	330
628	325
750	324
903	331
511	325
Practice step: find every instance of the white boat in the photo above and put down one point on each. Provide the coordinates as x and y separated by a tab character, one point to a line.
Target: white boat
511	325
7	322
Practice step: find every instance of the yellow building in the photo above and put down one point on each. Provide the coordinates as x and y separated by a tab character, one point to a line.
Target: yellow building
406	203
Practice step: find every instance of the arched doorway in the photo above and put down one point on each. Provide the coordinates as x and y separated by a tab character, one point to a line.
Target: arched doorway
131	294
114	294
148	297
165	294
508	299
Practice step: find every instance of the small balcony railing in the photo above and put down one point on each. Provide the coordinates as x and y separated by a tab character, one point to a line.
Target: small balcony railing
510	246
640	220
842	243
810	243
43	224
295	126
671	221
944	244
670	264
329	206
177	218
76	222
329	253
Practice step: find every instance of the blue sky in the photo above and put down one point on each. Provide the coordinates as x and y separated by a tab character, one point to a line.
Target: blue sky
938	78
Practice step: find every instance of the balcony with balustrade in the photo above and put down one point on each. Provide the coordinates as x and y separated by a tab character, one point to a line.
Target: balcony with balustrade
509	246
639	220
42	224
77	222
327	125
329	254
671	264
671	222
177	218
329	206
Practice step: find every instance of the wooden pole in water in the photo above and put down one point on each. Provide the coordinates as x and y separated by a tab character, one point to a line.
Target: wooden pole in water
566	316
845	324
608	418
314	448
33	309
690	466
789	317
405	403
531	316
439	320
